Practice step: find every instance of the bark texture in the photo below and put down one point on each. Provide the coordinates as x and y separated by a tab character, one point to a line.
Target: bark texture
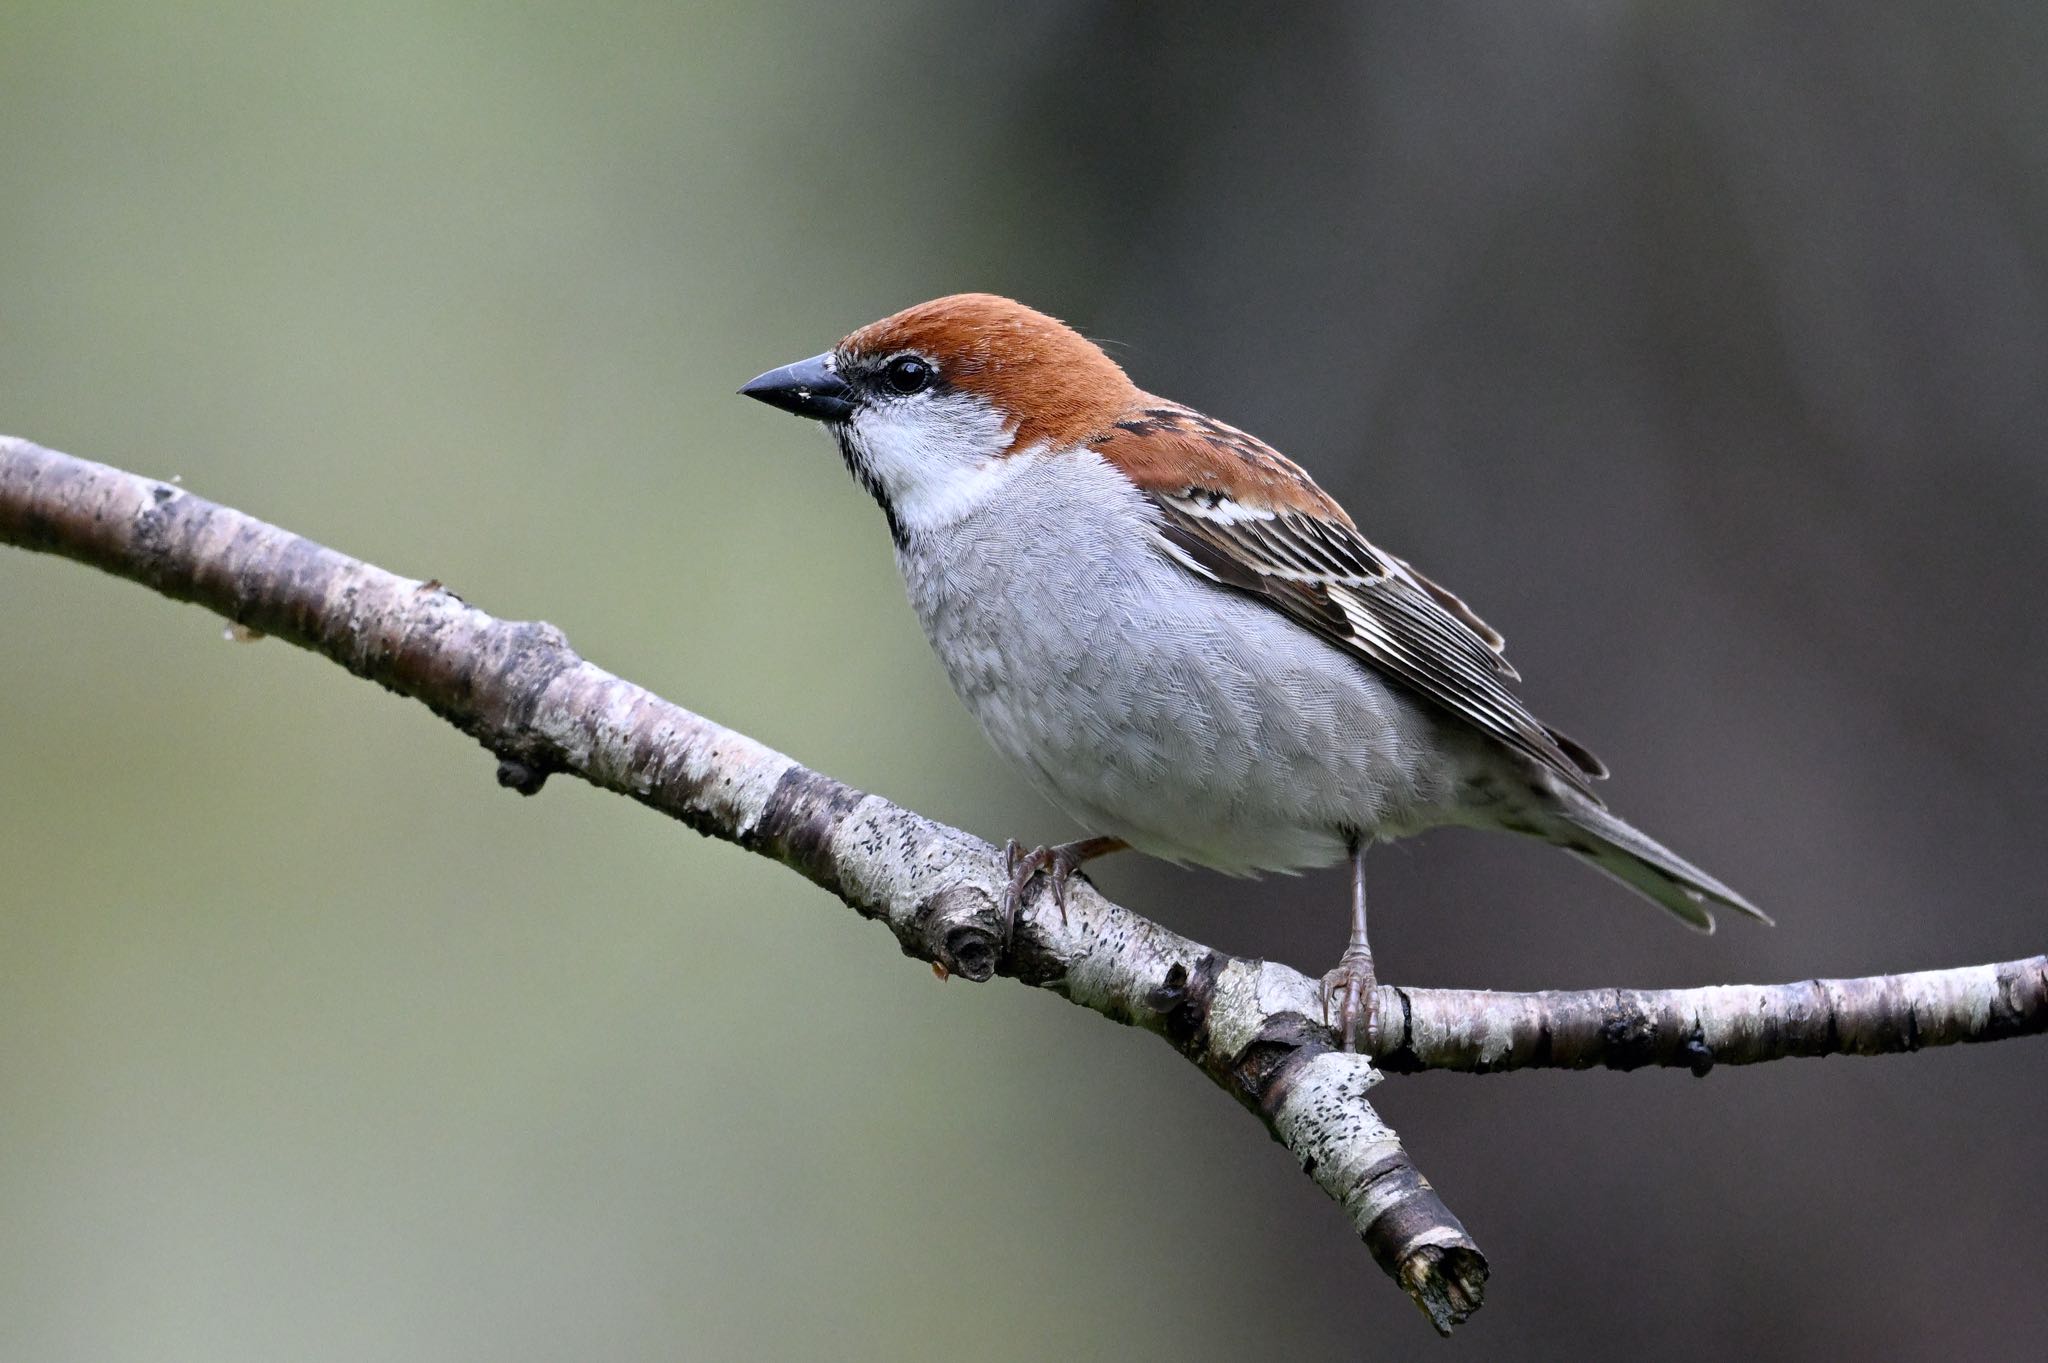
1259	1029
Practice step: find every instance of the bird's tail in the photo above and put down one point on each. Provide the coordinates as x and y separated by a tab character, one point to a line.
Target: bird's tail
1642	863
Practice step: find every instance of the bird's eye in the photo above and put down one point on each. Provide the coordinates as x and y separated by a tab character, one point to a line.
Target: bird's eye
907	374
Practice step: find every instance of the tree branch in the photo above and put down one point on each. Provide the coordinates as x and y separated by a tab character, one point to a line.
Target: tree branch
1258	1029
1254	1027
1696	1029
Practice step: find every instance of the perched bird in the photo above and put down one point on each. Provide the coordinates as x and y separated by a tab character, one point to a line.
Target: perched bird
1183	641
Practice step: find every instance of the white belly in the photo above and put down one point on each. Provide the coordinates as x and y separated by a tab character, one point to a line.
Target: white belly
1196	724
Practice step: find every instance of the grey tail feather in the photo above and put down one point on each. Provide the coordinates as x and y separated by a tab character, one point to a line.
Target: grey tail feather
1644	865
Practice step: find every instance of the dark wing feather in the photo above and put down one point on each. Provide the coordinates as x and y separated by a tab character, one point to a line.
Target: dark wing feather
1325	574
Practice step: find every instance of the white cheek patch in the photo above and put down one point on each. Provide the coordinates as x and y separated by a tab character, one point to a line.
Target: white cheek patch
937	457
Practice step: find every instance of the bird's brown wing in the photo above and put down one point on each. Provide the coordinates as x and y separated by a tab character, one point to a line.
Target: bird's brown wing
1234	511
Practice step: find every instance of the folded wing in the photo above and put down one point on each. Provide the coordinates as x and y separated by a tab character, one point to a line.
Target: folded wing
1235	511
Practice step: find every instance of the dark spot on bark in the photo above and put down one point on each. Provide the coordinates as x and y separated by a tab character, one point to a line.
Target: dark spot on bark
1699	1056
528	656
1170	992
957	929
163	493
1187	1020
1264	1069
1390	1231
287	593
1628	1039
1402	1059
514	774
971	952
152	542
1263	1072
797	824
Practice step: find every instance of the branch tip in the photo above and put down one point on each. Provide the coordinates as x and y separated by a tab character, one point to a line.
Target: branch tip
1447	1281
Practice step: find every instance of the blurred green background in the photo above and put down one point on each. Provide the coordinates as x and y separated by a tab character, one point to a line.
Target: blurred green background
1702	348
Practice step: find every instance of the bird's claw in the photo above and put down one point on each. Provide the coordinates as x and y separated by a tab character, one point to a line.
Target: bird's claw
1057	864
1348	997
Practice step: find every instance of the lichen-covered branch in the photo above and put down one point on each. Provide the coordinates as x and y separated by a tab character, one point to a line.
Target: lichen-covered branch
1255	1027
1697	1029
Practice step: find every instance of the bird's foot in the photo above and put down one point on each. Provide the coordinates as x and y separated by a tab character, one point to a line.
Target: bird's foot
1347	997
1057	864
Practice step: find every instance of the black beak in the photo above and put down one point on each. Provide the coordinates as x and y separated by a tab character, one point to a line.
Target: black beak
808	388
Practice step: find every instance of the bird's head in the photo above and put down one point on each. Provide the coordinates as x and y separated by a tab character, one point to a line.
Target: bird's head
932	405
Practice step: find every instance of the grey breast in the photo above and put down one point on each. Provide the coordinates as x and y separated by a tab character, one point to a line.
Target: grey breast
1197	724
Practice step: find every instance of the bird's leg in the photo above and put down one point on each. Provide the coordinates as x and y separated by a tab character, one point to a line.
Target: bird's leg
1347	990
1057	863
